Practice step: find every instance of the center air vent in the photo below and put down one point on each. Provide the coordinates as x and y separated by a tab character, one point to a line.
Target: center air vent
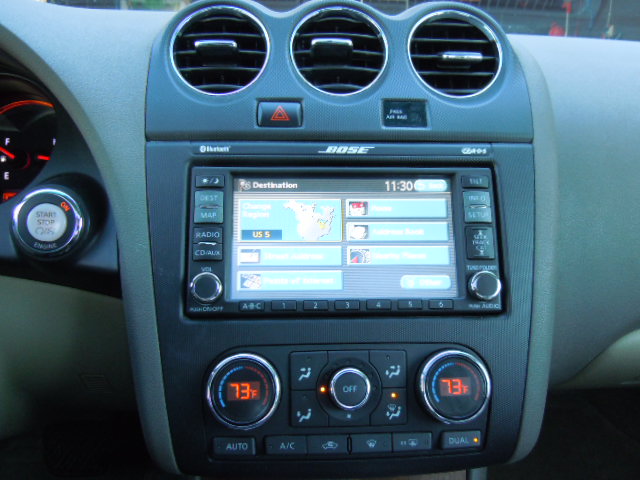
455	53
220	50
339	50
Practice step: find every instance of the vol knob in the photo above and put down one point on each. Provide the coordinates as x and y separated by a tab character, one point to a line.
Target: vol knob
485	285
206	287
350	389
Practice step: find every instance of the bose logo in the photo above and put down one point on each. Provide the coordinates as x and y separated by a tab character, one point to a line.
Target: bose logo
344	149
474	151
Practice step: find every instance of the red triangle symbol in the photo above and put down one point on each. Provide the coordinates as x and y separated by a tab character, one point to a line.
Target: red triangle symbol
280	115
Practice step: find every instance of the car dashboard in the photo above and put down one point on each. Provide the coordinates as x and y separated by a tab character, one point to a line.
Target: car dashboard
331	241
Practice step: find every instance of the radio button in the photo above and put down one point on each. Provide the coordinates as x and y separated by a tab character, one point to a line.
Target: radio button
342	305
480	244
305	368
378	304
207	234
475	181
315	305
207	251
284	306
409	304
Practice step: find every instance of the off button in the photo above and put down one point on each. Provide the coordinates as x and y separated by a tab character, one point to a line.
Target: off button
47	222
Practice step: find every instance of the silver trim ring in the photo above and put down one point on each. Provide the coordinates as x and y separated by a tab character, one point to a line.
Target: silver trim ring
215	296
473	285
424	373
472	19
78	227
203	12
360	13
334	396
276	389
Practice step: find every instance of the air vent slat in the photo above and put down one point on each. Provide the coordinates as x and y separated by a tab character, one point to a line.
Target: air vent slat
220	70
455	53
453	41
431	73
225	35
257	53
354	64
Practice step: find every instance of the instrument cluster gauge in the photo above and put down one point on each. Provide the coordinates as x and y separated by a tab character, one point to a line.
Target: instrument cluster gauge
27	133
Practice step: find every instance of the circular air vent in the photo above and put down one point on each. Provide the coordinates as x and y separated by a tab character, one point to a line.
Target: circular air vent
220	50
339	50
455	53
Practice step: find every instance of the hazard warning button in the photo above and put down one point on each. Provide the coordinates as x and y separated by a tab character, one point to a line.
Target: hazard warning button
280	114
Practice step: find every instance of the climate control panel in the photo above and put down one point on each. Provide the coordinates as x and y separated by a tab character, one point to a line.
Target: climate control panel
419	399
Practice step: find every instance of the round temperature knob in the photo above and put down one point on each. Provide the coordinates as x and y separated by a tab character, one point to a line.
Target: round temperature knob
485	285
350	389
206	287
48	223
454	386
243	391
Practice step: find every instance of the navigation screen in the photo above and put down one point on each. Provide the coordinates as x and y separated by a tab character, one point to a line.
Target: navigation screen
352	238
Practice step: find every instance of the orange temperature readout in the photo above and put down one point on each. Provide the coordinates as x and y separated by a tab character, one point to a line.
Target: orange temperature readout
242	391
455	387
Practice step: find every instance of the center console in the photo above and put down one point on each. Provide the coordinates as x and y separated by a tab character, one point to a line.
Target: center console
343	282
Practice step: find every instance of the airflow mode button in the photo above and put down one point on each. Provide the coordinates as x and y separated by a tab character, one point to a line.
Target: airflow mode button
280	114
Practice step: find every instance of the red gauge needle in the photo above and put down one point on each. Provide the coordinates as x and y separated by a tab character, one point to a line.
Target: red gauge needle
7	153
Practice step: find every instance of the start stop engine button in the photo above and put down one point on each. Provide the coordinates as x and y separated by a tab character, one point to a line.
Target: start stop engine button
47	222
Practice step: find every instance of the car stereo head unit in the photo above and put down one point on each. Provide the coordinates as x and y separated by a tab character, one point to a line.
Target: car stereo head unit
292	241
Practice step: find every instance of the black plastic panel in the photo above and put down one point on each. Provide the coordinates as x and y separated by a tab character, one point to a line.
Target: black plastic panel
176	110
190	347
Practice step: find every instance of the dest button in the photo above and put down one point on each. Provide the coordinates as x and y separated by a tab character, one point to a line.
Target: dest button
279	114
